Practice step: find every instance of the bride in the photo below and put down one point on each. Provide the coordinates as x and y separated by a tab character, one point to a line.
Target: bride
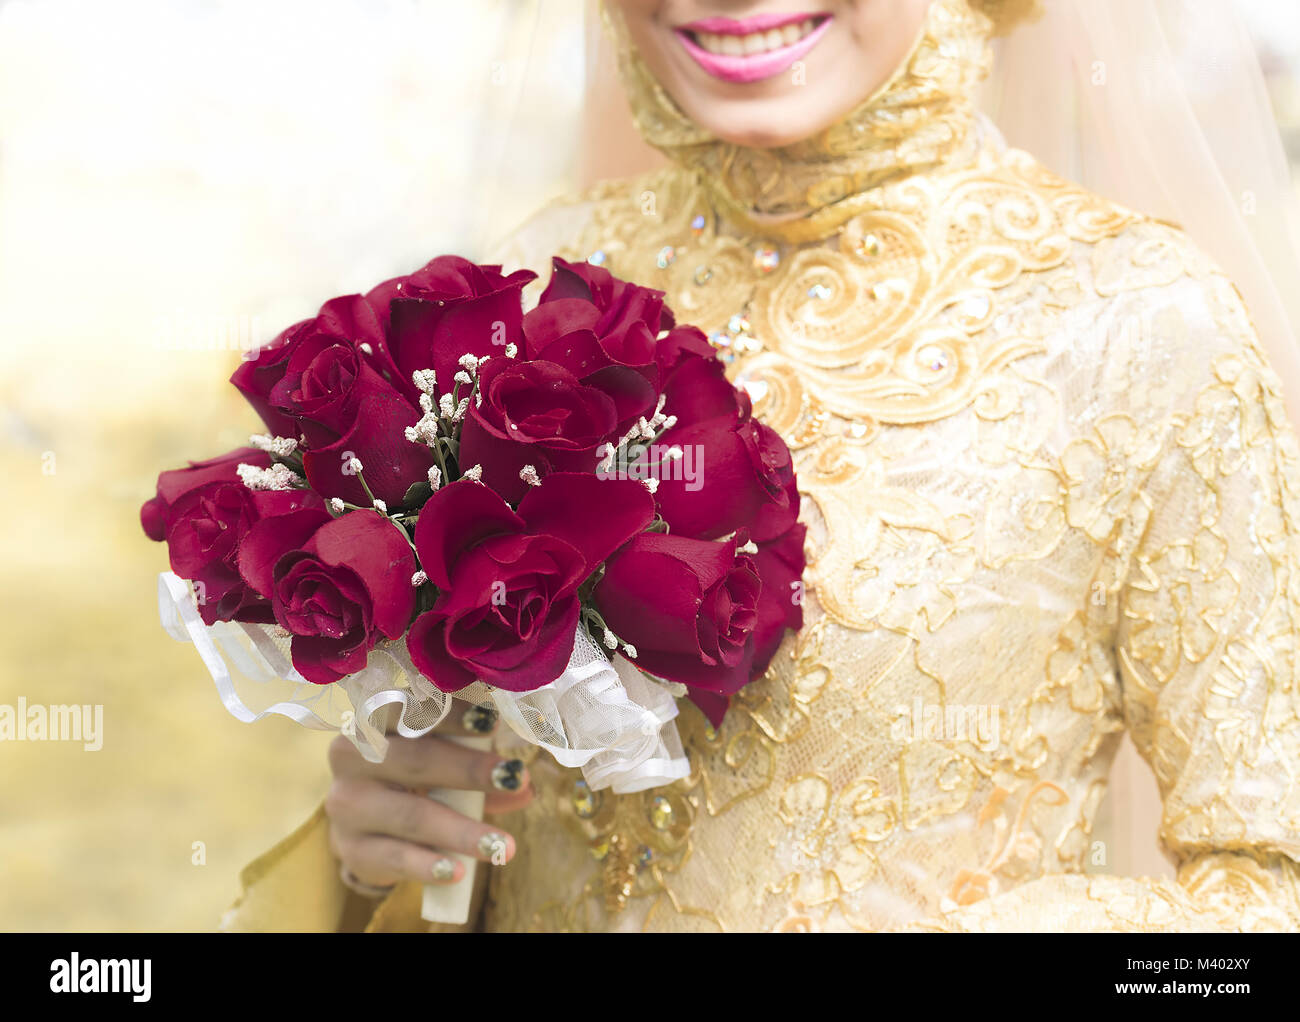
1051	494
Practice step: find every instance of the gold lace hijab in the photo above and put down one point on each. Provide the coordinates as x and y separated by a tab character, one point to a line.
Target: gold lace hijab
1182	131
922	118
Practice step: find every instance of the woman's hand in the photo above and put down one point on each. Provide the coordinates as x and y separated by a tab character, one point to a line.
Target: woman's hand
383	826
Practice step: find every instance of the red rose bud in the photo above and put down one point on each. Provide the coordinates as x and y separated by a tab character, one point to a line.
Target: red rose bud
741	476
689	607
326	376
207	527
697	389
336	584
448	309
780	565
348	321
563	332
681	345
534	413
508	606
604	331
377	438
622	305
155	515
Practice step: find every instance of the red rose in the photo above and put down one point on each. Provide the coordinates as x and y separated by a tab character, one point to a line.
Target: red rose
534	413
604	331
696	387
508	581
350	321
208	525
689	607
780	564
325	376
743	478
389	462
337	584
155	515
448	309
681	345
624	308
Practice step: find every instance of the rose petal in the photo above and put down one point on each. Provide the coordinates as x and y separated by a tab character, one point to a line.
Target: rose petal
453	520
427	645
375	549
270	539
595	515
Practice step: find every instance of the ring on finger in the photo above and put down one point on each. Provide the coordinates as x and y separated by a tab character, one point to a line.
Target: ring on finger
366	890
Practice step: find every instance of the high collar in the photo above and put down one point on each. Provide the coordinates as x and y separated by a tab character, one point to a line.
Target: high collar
921	120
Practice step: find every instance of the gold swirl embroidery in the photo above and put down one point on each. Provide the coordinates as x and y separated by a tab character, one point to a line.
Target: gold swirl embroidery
1010	503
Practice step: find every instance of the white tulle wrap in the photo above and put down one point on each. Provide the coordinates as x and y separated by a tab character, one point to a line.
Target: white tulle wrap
610	719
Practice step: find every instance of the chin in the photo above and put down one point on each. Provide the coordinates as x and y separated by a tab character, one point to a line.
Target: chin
760	125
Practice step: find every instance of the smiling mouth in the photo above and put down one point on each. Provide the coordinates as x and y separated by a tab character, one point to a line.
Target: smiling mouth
749	44
754	48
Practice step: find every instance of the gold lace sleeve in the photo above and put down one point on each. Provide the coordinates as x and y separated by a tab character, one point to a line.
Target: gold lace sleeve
1206	653
295	888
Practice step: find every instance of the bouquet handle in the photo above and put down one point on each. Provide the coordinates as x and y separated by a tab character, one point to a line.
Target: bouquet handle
449	903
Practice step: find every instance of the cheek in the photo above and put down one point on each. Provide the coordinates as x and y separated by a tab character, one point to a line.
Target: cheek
642	21
881	33
637	15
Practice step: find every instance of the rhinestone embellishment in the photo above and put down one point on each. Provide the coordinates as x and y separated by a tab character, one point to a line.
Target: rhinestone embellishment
766	259
585	801
735	339
661	813
933	358
868	246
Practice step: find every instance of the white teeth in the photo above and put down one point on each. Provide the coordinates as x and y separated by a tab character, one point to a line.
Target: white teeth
755	42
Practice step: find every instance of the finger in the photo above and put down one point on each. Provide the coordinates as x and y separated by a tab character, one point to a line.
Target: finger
508	801
378	860
366	806
429	762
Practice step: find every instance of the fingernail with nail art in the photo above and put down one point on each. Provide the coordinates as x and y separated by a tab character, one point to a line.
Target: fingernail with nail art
492	846
479	719
444	870
508	774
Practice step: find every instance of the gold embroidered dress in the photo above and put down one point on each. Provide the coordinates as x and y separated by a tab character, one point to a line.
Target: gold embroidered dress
1051	493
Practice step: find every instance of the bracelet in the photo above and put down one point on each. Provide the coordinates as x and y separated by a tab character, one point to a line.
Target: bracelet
366	890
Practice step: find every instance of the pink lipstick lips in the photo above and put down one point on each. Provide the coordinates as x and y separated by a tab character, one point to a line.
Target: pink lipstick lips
752	49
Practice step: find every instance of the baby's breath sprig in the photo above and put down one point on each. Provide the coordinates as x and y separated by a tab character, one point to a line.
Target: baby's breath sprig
277	477
439	425
283	450
602	634
633	444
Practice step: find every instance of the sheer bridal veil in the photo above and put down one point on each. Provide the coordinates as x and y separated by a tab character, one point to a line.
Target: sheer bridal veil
1161	106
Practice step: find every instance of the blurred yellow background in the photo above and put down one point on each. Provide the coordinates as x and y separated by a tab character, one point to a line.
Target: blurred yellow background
177	178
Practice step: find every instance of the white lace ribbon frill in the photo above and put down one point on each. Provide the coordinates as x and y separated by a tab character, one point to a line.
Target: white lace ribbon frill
610	719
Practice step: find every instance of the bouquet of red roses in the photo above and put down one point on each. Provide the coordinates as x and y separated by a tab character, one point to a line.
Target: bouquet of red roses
569	512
